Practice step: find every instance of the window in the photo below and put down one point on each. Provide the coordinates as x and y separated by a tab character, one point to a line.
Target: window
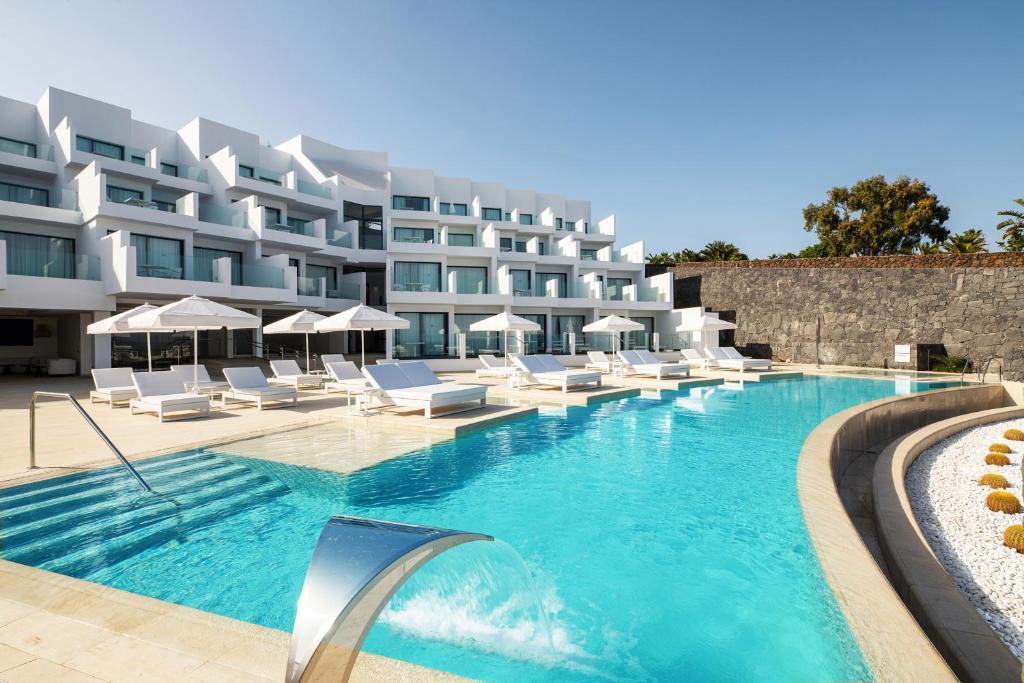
328	273
39	255
614	287
540	284
424	338
558	224
158	257
161	205
520	282
542	248
370	224
298	226
521	247
505	243
508	215
478	342
639	339
537	342
25	149
419	235
138	160
246	171
588	254
448	209
469	279
205	270
456	239
169	169
562	326
9	192
409	276
403	203
526	219
103	149
122	194
490	214
271	177
273	215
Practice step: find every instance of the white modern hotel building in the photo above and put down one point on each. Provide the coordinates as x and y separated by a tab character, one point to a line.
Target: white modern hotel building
100	212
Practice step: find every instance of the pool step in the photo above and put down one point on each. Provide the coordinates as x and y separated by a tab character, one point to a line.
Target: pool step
82	531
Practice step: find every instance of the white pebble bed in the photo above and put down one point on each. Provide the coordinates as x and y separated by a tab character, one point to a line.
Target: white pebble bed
964	534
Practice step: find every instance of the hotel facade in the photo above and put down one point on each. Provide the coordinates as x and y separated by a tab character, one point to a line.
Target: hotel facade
100	212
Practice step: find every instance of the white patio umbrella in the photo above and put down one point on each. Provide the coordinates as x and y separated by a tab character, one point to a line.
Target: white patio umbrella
505	323
614	324
705	323
303	321
194	313
362	318
118	324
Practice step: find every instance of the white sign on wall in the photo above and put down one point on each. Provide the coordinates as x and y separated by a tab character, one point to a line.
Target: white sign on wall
902	354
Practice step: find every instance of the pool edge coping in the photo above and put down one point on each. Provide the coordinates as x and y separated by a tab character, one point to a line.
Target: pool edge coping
893	643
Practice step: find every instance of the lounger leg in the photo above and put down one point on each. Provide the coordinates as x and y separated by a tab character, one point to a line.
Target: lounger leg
426	411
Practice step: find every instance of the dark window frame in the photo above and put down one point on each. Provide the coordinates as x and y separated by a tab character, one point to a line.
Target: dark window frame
395	201
490	210
92	147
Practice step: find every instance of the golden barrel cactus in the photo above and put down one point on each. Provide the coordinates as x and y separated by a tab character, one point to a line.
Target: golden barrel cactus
994	481
1013	537
1013	435
999	448
1003	501
997	459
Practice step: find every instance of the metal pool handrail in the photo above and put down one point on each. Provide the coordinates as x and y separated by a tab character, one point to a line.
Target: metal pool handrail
92	423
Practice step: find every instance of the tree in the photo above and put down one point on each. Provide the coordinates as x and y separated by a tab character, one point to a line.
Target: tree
875	217
721	251
669	259
1012	227
928	247
970	241
661	259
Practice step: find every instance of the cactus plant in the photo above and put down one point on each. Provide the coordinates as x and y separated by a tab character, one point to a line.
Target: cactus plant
1013	537
997	459
1013	435
994	481
1003	501
999	448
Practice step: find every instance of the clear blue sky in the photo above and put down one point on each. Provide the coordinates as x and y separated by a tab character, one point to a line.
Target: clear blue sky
691	121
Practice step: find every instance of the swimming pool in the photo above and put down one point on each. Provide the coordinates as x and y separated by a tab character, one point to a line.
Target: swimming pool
662	535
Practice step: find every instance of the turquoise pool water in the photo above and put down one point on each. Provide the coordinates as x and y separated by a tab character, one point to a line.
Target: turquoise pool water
662	536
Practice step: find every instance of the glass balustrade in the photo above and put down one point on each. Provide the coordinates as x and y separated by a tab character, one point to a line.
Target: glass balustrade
58	262
675	341
308	286
178	170
223	215
262	276
31	150
336	237
294	226
345	290
267	176
312	189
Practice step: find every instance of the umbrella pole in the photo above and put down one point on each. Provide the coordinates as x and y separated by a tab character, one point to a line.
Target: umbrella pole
195	360
149	352
307	353
362	346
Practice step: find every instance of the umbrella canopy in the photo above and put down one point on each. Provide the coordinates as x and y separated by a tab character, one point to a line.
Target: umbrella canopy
119	324
705	322
505	323
362	318
193	313
302	322
614	324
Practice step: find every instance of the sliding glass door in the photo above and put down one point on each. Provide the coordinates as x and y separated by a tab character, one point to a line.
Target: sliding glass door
424	338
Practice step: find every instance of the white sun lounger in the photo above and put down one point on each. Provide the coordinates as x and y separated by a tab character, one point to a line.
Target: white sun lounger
717	358
113	385
693	358
345	376
599	360
545	369
185	373
250	385
414	385
163	393
756	363
646	363
326	358
492	367
288	373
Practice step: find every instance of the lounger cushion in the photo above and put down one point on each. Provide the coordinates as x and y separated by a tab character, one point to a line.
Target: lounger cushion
105	378
386	377
575	376
326	358
285	368
117	393
170	401
344	370
186	373
264	391
433	392
158	384
245	378
419	374
549	363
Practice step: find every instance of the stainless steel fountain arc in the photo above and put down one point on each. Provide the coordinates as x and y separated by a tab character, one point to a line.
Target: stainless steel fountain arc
357	566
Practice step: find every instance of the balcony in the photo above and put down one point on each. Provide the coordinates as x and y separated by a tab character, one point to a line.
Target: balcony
312	189
295	226
27	158
39	278
308	286
223	215
178	170
338	237
49	263
29	150
346	290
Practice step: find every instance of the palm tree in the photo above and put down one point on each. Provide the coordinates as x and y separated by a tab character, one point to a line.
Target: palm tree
923	247
970	241
661	259
1012	227
722	251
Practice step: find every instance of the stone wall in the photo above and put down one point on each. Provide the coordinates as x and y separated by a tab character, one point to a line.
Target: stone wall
971	305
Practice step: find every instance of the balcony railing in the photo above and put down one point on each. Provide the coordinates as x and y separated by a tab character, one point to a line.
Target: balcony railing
308	286
414	287
336	237
345	290
267	176
262	276
27	149
294	226
306	187
173	168
51	264
223	215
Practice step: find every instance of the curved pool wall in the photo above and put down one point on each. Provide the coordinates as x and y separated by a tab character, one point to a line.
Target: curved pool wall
662	536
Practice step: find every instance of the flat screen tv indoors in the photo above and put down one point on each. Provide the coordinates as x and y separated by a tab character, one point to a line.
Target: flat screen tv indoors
16	332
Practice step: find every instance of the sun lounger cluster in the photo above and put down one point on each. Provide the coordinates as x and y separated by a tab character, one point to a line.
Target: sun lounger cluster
726	358
546	370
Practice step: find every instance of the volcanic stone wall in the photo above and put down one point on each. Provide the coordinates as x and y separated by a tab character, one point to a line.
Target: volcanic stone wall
970	305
